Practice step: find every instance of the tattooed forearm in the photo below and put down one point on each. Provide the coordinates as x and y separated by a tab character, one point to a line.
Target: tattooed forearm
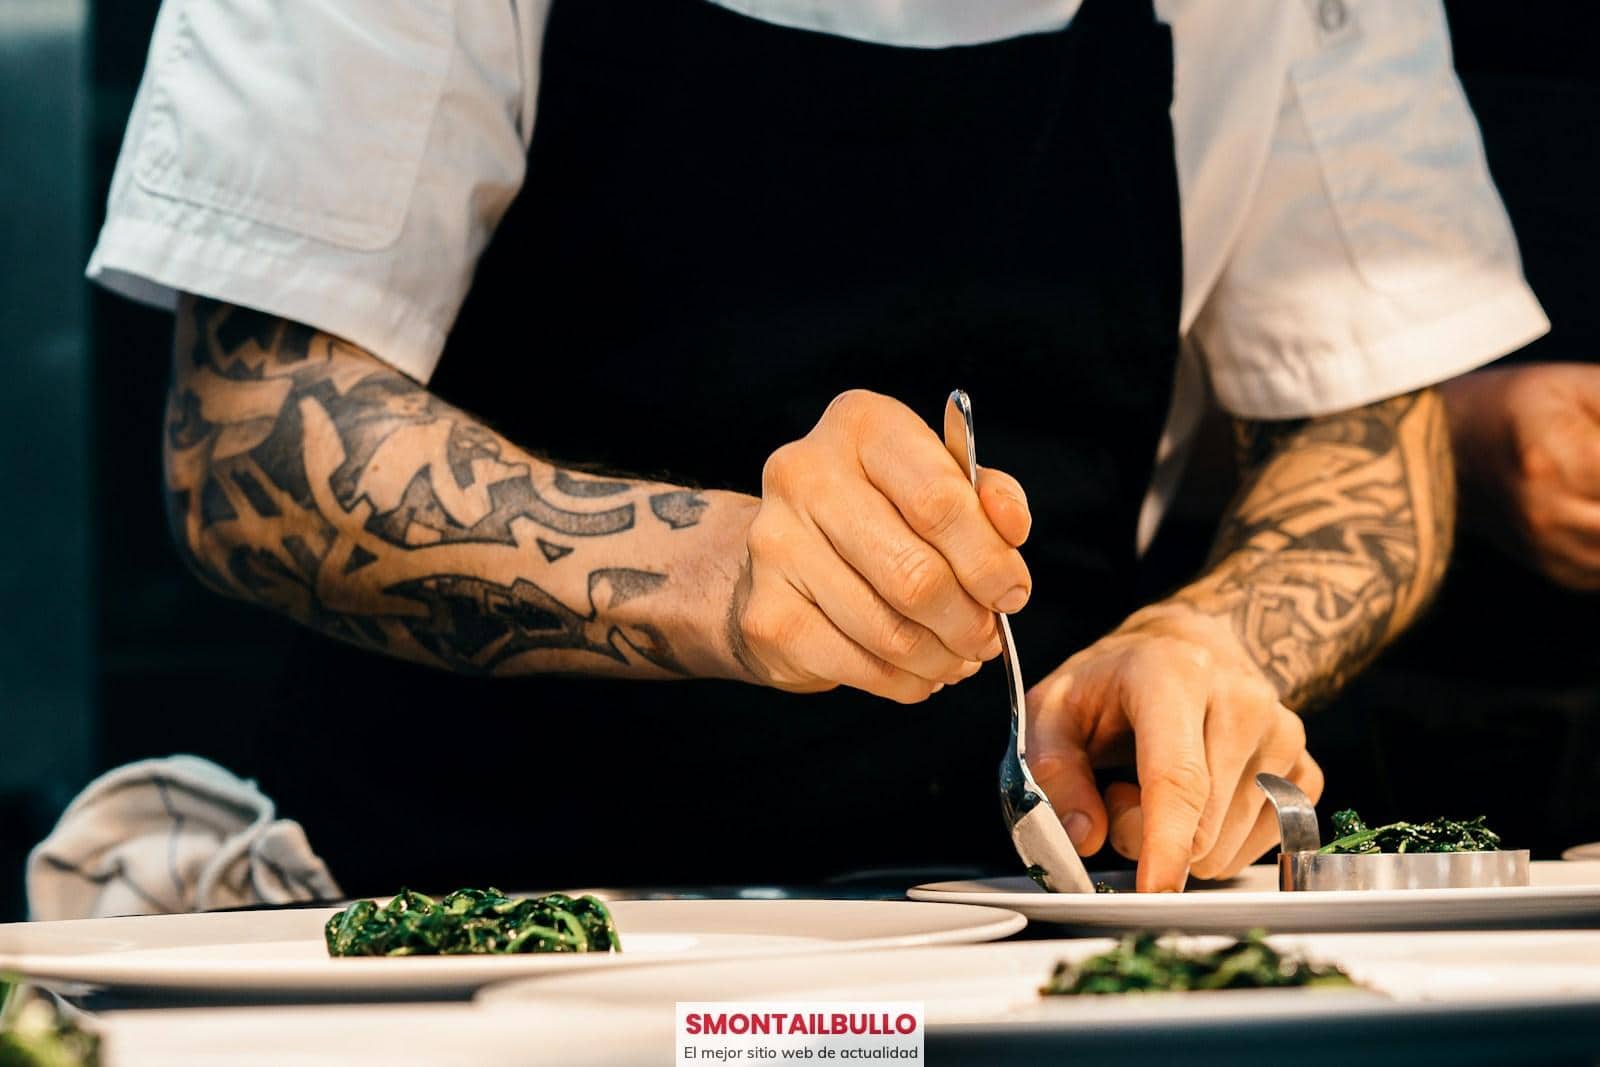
305	475
1336	541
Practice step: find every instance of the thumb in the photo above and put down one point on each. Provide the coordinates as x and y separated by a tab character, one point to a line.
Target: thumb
1064	773
1005	504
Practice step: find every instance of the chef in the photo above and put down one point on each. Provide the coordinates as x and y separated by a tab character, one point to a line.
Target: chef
599	340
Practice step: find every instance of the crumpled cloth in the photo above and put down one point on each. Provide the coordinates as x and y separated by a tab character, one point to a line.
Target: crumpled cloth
171	835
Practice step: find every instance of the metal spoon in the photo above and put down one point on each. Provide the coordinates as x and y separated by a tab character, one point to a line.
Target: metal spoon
1036	832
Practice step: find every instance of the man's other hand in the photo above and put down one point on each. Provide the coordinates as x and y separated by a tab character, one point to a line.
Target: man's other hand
1528	446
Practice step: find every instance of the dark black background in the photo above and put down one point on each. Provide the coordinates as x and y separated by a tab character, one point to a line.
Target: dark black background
1492	706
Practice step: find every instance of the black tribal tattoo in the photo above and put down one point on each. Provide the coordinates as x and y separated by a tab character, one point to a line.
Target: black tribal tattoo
679	509
1336	541
305	475
584	488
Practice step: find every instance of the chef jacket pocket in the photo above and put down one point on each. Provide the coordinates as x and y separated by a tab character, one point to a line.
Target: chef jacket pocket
304	115
1399	149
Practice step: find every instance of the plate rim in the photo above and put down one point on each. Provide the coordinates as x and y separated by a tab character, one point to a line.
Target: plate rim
103	968
1300	1004
1178	907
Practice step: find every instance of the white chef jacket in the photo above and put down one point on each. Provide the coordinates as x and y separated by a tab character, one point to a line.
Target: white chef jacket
343	163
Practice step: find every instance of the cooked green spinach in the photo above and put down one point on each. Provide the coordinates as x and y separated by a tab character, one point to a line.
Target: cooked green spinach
35	1033
472	921
1353	836
1143	963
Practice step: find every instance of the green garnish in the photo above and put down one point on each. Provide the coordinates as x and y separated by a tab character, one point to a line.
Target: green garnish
1352	836
35	1033
1036	872
472	921
1141	963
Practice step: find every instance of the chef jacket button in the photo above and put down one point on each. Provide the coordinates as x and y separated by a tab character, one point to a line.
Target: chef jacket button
1331	15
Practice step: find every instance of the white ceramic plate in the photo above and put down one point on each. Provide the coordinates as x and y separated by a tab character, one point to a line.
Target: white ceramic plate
1431	988
1561	892
279	952
369	1035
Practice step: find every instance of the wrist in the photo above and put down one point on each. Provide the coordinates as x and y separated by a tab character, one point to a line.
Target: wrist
716	580
1480	436
692	567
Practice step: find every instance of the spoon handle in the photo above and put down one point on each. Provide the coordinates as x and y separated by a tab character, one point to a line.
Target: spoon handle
962	440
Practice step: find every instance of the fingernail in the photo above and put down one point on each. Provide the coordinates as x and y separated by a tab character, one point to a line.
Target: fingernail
968	669
1078	827
1012	601
1127	832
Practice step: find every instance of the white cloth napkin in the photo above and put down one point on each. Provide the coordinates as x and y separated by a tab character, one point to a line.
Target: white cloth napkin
171	835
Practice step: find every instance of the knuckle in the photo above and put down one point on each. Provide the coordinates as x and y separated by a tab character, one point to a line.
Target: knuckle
1536	463
1207	833
766	625
1312	780
1253	703
888	681
938	504
756	624
1143	657
851	407
1187	783
1259	693
1173	656
910	692
1234	867
1291	732
1538	516
977	633
902	638
1196	658
917	579
778	472
764	539
990	573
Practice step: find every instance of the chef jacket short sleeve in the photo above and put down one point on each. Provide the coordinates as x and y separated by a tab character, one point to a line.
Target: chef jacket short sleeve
1375	256
340	163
